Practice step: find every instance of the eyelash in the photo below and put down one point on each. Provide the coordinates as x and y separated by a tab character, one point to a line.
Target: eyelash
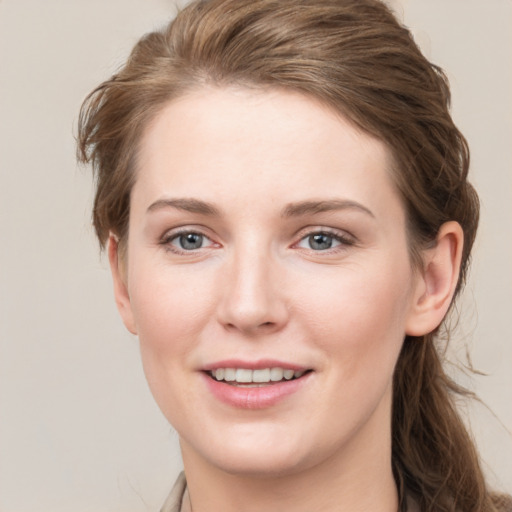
169	237
343	240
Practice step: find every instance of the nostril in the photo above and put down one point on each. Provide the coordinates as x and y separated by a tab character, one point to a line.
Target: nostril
267	326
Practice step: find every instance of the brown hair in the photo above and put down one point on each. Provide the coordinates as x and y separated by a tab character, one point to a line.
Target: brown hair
355	57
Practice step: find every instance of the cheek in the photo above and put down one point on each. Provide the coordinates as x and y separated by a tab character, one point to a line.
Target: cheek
358	316
358	324
171	307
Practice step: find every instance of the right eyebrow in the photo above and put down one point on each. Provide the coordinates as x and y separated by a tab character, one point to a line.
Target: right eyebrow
185	204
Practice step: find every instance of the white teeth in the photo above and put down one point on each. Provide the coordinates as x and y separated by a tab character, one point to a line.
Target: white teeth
247	377
243	375
276	374
229	374
288	374
261	375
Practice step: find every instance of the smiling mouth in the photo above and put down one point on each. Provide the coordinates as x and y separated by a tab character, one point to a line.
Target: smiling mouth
242	377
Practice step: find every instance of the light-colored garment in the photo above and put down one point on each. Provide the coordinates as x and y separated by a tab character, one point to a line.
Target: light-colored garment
178	500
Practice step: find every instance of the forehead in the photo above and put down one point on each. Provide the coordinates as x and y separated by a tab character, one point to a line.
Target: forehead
214	142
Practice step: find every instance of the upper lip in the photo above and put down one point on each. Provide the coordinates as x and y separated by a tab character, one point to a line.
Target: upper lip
254	365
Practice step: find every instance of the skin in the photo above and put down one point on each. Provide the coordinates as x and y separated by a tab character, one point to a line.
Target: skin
256	288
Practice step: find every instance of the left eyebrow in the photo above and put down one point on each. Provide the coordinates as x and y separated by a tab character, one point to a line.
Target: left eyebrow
313	207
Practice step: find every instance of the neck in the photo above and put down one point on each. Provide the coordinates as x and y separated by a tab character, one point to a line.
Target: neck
357	478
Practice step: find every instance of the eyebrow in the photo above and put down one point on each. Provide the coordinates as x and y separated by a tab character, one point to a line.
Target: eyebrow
290	210
313	207
187	205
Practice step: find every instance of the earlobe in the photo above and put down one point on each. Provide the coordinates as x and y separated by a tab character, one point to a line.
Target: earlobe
121	294
436	285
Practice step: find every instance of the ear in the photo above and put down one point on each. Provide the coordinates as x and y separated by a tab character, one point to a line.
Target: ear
121	294
436	284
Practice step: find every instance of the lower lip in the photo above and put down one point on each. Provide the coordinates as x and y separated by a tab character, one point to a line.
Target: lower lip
254	397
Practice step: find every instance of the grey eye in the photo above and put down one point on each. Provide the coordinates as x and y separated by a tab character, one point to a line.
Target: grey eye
320	241
189	241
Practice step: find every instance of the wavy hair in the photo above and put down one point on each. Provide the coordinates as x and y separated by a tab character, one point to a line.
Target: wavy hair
355	57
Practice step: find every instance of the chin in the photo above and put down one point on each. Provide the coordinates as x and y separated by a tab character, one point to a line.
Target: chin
269	465
255	456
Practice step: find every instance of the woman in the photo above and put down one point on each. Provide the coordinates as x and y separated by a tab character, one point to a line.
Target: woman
285	202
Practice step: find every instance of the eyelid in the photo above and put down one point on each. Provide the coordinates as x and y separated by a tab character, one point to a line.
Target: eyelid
171	234
344	238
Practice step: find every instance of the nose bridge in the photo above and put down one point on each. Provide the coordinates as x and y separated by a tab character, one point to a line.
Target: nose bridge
251	299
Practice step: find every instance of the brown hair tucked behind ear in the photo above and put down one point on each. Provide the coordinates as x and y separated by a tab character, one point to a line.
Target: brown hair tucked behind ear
355	57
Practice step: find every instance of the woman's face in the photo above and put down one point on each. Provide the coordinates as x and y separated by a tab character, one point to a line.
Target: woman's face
266	241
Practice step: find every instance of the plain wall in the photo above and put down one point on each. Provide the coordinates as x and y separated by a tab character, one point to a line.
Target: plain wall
78	428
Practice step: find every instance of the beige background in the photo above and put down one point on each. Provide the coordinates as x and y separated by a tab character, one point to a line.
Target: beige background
78	428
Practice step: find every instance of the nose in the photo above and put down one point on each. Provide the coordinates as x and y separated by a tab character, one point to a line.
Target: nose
252	295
